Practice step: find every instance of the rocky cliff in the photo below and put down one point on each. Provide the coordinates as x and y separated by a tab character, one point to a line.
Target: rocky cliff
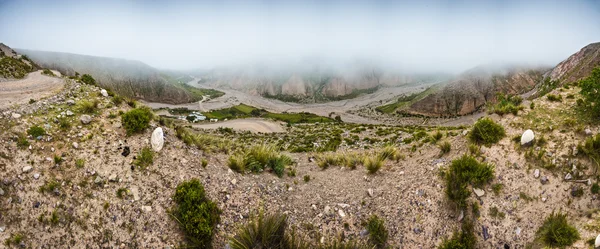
578	65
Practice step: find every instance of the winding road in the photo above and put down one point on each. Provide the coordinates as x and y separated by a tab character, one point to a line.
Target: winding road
34	86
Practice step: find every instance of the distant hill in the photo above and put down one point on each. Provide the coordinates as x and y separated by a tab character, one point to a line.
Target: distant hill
14	65
126	77
578	65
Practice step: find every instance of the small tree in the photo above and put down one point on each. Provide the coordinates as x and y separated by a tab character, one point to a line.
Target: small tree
589	91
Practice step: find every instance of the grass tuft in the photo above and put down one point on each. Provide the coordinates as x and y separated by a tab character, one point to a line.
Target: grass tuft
556	231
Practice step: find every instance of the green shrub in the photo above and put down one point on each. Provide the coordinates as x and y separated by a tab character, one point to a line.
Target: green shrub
145	158
507	104
591	148
122	192
22	141
14	240
495	213
373	164
117	100
204	163
463	172
486	131
64	123
49	186
532	105
554	97
258	158
595	188
36	131
497	188
89	107
136	120
463	239
556	231
80	163
306	178
48	72
390	152
378	234
264	232
589	91
197	215
58	159
88	79
445	147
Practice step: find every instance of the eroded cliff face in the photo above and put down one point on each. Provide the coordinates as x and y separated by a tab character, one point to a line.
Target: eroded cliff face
471	92
578	65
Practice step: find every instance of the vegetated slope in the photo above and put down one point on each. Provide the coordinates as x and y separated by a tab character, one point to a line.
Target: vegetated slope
578	65
126	77
14	65
314	85
475	88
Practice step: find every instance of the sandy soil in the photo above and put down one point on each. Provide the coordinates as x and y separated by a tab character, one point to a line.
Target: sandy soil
250	124
34	86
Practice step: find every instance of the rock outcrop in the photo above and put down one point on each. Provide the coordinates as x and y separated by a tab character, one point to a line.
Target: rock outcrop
578	65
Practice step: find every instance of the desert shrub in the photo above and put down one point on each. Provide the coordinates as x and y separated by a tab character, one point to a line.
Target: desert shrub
49	186
131	102
204	163
145	158
48	72
36	131
136	120
496	213
591	148
306	178
58	159
22	141
390	152
88	79
373	164
532	105
463	172
80	163
556	231
258	158
554	97
497	188
436	137
328	159
196	214
64	123
87	106
15	239
507	104
589	91
122	192
445	147
463	239
486	131
117	100
378	234
595	188
266	231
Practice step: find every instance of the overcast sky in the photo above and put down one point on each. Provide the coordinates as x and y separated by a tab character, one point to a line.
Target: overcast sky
428	35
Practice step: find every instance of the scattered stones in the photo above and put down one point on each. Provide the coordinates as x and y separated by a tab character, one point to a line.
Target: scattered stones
75	145
1	192
147	209
98	180
70	102
568	176
85	119
15	115
536	173
69	113
233	181
27	169
341	213
544	180
484	230
113	178
125	151
588	132
157	140
479	192
104	93
527	138
518	231
2	229
327	210
36	176
597	242
370	192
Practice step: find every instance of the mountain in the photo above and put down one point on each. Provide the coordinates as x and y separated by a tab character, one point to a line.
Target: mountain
470	91
14	65
126	77
310	85
578	65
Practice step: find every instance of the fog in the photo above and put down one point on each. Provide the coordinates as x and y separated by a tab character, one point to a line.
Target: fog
427	36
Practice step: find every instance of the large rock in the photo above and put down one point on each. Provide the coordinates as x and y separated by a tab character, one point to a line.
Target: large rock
157	140
104	93
597	242
527	138
85	119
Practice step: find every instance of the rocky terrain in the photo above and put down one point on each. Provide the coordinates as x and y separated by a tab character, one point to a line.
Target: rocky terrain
578	65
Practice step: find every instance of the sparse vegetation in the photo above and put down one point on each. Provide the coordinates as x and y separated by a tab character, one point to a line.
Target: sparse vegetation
463	239
589	91
88	79
486	131
196	214
378	234
80	163
136	120
48	72
507	104
15	239
556	231
145	158
373	164
445	147
554	97
258	158
463	172
88	106
36	131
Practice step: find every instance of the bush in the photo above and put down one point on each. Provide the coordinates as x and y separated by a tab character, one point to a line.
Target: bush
258	158
48	72
136	120
117	100
86	106
145	158
373	164
196	214
595	188
390	152
80	163
463	239
589	91
88	79
264	232
556	231
486	131
554	97
22	141
463	172
36	131
591	148
507	104
64	123
378	234
445	147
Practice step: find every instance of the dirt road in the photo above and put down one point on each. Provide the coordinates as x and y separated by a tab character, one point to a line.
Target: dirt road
34	86
249	124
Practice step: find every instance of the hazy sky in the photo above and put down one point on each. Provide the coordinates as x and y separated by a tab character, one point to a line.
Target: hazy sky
426	35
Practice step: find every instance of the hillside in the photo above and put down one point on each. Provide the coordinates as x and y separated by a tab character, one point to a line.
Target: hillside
578	65
126	77
14	65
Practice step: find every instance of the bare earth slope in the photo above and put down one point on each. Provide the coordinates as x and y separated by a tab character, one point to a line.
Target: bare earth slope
34	86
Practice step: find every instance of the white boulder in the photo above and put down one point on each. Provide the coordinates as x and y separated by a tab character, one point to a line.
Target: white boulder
104	93
597	242
157	140
527	137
